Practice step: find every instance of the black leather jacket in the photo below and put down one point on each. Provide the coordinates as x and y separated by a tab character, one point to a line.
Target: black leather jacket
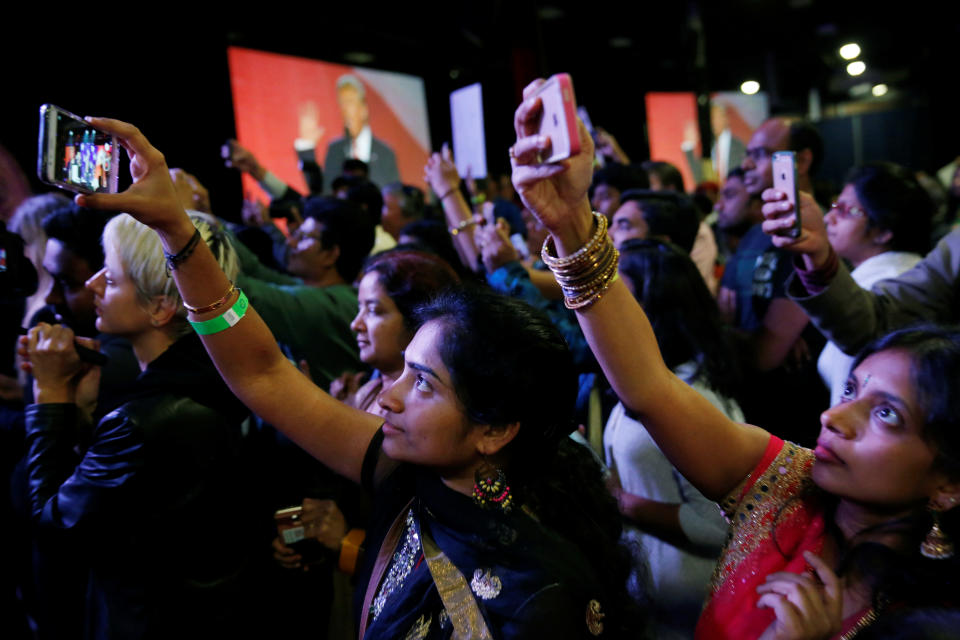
155	500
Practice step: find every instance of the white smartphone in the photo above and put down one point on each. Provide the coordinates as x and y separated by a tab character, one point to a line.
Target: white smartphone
74	155
559	119
785	180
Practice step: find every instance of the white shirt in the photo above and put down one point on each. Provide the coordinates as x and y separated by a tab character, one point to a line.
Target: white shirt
834	364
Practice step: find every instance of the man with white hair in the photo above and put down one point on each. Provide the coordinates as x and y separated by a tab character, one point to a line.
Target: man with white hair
358	142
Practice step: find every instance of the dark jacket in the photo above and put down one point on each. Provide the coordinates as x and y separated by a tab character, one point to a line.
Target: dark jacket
155	501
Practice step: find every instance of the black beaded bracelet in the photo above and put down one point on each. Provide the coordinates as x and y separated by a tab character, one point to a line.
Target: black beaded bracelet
175	260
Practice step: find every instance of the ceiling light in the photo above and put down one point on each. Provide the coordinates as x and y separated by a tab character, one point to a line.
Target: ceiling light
880	90
750	87
856	68
850	51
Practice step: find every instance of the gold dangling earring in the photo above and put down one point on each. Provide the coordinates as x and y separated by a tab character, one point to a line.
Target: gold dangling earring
937	545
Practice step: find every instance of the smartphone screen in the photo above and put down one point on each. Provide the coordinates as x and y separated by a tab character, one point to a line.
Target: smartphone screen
74	155
784	168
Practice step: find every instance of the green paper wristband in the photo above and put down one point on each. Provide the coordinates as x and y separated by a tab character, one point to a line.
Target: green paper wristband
229	318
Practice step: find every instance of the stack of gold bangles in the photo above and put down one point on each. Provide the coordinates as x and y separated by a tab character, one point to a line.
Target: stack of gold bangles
586	274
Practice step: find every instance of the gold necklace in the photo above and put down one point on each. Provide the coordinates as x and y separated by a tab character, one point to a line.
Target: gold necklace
865	621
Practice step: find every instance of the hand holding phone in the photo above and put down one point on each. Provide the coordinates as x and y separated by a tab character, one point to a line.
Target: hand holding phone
784	168
558	118
73	154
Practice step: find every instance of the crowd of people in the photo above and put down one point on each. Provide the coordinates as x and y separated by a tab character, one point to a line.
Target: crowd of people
576	401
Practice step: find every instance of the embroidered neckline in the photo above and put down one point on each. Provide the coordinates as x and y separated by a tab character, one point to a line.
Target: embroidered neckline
401	566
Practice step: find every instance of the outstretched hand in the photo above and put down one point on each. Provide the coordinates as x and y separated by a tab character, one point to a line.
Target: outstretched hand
779	218
151	198
242	159
440	172
556	193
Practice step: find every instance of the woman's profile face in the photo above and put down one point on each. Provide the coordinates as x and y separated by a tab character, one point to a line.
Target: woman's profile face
381	333
871	447
119	309
847	227
425	422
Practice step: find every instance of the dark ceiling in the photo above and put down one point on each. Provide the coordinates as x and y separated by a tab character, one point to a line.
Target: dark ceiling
170	75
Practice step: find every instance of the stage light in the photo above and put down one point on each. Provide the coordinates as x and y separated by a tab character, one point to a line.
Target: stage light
857	67
880	90
850	51
750	87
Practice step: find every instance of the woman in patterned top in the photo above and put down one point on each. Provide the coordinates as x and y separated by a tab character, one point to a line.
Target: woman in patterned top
487	386
821	540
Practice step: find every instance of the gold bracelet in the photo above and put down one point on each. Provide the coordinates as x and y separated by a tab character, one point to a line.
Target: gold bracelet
463	226
214	306
585	275
593	245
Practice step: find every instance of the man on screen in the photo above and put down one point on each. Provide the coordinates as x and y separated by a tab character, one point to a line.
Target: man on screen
358	142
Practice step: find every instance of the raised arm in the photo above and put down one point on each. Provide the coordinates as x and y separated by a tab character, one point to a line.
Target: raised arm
246	354
441	174
712	451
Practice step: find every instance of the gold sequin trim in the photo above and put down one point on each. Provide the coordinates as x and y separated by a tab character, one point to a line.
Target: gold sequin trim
751	515
455	593
420	628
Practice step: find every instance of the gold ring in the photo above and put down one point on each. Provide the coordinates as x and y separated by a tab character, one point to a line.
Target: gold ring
513	156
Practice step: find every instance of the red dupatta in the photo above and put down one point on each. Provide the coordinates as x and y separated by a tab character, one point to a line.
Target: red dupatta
775	492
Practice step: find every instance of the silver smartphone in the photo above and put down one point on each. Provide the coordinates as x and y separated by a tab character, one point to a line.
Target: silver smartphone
74	155
785	180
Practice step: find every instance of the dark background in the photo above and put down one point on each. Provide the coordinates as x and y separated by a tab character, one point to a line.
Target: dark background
168	73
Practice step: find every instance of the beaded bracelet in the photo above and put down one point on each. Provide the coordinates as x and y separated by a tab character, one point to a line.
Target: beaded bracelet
216	305
227	319
174	260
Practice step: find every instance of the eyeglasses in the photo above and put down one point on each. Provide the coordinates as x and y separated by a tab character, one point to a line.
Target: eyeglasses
846	211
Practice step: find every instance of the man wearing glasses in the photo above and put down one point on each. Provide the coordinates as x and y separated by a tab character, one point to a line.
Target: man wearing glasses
779	368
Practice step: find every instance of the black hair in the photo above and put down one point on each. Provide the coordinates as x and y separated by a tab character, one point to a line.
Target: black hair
803	135
435	237
412	200
366	195
355	165
79	230
683	314
667	214
903	577
935	355
344	226
508	363
621	177
410	279
894	201
669	175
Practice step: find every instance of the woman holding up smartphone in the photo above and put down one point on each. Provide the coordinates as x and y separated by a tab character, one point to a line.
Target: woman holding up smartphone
823	541
488	521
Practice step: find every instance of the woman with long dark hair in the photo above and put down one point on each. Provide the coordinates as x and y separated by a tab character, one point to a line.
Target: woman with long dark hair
880	486
392	285
488	521
677	532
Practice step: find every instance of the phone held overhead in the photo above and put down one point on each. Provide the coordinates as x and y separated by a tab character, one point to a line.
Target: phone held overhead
74	155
